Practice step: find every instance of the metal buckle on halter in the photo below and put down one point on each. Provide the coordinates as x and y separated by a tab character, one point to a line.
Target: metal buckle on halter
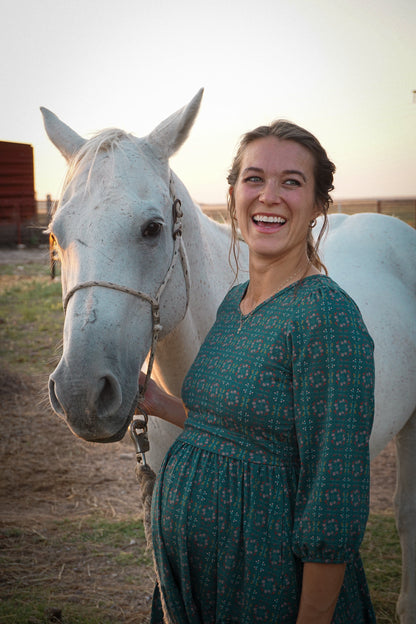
138	433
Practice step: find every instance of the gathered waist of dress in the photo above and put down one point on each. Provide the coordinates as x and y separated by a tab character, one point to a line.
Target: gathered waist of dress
222	441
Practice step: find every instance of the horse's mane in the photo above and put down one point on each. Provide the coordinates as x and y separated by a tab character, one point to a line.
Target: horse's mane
109	140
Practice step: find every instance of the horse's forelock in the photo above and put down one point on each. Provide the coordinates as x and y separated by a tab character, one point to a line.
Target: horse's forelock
109	140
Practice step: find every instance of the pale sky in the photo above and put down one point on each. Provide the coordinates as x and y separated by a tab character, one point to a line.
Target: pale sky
344	69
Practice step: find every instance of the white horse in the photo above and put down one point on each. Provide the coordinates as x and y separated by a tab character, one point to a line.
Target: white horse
124	263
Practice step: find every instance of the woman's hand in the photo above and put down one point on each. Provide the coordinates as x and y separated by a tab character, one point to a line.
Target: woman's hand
157	402
153	400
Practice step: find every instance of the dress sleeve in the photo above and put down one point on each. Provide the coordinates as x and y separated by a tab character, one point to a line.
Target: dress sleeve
333	386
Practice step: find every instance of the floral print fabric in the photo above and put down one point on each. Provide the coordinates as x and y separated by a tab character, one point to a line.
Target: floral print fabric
272	468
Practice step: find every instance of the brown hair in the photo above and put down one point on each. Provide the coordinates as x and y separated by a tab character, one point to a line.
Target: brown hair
324	171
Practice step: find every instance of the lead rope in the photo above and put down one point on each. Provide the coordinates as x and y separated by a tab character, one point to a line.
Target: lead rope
145	476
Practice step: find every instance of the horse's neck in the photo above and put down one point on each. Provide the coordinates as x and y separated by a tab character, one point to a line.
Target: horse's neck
211	276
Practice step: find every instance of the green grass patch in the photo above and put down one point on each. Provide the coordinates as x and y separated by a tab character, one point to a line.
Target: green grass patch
102	532
382	563
31	322
36	607
26	271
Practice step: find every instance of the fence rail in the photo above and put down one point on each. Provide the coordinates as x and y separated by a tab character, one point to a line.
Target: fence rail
404	209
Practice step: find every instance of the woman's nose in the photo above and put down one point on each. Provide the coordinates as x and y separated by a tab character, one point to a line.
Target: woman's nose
270	193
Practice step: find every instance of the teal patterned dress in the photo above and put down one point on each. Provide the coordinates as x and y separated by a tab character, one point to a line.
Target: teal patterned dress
272	468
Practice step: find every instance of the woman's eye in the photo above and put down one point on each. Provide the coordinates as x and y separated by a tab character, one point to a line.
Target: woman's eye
152	229
253	178
292	182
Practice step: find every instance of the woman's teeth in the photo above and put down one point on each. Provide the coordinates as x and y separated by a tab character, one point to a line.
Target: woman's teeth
269	219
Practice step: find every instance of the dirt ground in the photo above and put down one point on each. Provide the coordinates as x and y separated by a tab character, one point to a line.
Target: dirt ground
48	474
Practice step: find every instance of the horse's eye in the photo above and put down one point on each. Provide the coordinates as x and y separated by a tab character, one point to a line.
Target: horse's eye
152	229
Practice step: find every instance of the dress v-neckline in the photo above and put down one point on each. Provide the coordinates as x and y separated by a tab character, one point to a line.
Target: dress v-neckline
244	317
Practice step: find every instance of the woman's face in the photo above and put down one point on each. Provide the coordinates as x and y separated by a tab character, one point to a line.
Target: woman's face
275	198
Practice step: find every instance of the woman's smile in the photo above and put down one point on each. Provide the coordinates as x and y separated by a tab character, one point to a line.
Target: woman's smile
268	222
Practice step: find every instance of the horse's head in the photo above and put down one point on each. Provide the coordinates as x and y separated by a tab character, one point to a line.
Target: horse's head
121	265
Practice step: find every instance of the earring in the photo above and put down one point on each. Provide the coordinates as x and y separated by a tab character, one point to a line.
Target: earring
312	223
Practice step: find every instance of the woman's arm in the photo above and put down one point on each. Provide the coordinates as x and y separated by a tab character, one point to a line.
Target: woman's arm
333	377
321	585
159	403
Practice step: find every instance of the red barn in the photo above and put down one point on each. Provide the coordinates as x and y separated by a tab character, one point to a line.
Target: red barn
17	190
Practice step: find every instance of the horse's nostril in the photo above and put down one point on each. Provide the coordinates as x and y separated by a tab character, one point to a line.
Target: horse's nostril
56	405
109	396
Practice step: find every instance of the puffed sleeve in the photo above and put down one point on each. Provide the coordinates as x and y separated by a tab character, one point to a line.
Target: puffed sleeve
333	383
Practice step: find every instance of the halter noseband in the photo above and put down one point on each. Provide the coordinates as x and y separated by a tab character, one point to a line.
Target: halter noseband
178	247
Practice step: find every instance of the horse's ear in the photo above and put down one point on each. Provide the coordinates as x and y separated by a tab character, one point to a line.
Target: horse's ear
169	135
62	136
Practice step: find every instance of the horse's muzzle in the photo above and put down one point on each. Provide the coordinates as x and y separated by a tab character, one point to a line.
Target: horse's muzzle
92	409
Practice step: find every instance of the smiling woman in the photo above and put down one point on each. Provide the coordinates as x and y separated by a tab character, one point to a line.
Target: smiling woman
261	504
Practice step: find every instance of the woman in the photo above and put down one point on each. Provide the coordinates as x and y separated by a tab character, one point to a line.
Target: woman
261	503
